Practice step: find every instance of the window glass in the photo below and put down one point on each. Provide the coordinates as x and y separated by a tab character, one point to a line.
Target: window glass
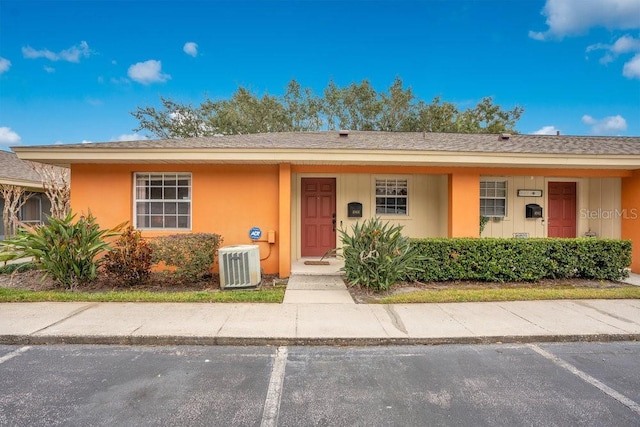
493	198
391	196
31	211
163	201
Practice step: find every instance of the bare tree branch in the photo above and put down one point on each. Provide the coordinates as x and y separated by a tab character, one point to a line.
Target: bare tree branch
14	198
56	182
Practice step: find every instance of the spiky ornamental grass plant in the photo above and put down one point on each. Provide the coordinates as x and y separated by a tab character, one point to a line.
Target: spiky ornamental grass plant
376	255
66	249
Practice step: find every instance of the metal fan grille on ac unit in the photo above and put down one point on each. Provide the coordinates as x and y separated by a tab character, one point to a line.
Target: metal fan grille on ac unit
239	266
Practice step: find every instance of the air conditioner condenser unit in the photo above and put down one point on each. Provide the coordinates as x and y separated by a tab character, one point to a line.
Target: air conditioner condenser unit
239	266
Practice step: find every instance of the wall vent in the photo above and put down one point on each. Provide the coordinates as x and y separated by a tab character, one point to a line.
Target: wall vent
239	266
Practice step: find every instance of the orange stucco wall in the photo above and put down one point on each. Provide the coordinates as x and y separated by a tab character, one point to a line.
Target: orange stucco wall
226	199
230	199
284	198
630	211
464	205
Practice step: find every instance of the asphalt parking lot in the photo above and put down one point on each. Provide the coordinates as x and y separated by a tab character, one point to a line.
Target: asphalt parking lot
493	385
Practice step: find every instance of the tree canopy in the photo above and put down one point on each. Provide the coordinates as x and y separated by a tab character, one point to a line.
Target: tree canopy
357	106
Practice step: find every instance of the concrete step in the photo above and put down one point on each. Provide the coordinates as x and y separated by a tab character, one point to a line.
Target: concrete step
316	290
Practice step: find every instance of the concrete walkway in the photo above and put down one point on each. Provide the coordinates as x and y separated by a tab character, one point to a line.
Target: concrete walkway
317	284
316	290
633	279
318	323
318	310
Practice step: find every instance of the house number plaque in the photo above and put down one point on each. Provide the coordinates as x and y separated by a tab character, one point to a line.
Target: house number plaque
529	193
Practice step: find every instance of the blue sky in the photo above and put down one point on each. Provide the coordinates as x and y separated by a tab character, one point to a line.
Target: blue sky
72	71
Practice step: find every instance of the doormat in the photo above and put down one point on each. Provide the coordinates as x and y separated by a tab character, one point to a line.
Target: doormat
310	262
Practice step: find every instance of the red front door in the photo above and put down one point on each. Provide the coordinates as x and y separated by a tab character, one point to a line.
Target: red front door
318	225
562	209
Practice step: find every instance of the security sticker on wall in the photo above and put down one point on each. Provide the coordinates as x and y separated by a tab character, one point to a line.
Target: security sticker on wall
255	233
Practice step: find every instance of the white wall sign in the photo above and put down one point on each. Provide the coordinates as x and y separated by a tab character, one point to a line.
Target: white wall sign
529	193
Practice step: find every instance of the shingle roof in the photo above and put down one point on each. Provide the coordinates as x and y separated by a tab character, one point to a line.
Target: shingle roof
401	141
12	168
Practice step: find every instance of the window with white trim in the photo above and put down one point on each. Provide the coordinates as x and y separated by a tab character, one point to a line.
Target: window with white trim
493	199
392	195
162	200
31	211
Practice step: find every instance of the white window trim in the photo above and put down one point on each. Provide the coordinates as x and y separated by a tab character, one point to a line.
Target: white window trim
136	200
396	216
506	197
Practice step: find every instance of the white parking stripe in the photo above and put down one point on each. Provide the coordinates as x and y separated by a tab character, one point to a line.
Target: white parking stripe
274	393
635	407
13	354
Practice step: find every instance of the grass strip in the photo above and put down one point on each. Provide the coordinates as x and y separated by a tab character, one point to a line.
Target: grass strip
518	294
237	296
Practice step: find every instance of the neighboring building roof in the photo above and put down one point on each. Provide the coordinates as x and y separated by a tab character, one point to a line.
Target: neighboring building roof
358	147
19	172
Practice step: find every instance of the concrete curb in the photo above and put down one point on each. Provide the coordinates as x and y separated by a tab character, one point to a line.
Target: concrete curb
275	341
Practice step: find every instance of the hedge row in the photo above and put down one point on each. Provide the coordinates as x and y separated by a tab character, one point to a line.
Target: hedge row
191	255
520	260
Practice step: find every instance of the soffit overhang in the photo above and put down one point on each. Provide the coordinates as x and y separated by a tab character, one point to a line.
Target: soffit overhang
68	156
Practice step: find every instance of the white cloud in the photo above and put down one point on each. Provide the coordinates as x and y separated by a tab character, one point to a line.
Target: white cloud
49	69
31	53
607	58
7	136
119	81
608	125
631	69
148	72
191	48
574	17
537	35
547	130
72	54
5	64
625	44
84	141
130	137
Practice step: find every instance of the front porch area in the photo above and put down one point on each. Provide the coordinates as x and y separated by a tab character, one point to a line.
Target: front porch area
311	267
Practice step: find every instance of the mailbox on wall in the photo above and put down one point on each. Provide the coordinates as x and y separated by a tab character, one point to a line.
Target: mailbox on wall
354	210
533	211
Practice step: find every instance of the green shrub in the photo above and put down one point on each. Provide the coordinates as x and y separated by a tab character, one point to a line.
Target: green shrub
17	268
68	251
129	260
192	255
603	259
6	254
501	260
376	255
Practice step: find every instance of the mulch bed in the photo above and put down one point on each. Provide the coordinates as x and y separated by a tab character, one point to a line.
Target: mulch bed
159	282
363	295
32	280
